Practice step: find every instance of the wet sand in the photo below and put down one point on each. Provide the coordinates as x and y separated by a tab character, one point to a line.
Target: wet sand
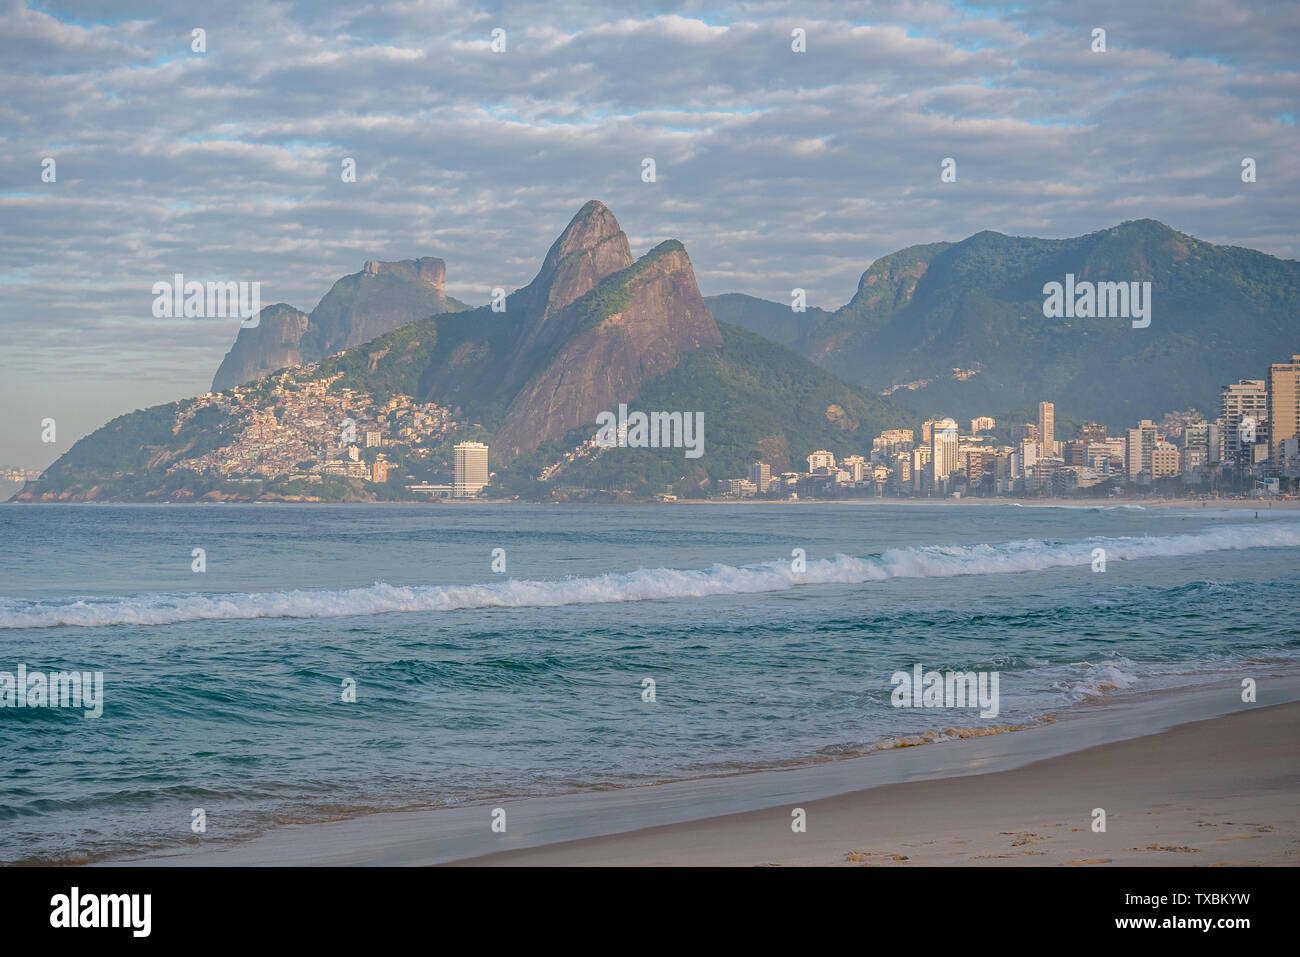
1186	776
1212	793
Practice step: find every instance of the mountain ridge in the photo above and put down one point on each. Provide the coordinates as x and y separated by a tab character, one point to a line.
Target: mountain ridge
952	327
595	329
358	307
966	319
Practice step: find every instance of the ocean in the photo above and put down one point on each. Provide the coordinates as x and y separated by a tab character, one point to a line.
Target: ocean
224	690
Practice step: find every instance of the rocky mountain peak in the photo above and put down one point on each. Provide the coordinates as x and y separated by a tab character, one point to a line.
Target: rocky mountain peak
630	328
591	247
258	350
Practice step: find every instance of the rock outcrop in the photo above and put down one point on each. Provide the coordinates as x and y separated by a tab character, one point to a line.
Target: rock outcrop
634	326
274	343
376	300
591	248
583	336
359	307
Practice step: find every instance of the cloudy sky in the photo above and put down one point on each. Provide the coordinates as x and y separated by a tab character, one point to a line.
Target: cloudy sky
775	168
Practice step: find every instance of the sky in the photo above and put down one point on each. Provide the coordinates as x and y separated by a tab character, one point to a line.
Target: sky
777	169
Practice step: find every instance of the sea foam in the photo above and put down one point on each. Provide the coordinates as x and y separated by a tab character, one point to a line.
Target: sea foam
643	584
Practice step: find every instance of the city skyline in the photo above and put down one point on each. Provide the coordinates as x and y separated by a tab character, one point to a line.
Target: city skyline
1256	436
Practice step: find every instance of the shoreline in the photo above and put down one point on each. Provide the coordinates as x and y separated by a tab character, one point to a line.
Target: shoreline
1111	752
1192	504
1261	505
1173	805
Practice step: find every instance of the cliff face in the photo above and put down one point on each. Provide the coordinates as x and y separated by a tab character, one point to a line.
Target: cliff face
635	326
274	343
591	248
358	308
583	336
376	300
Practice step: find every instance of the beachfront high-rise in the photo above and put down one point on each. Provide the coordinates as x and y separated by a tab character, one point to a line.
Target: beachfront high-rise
943	450
1141	448
1165	459
1283	406
1246	399
921	468
1047	427
1197	452
471	469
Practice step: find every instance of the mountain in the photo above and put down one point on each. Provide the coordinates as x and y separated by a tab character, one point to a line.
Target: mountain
581	337
771	320
274	343
381	297
759	401
635	325
595	329
959	327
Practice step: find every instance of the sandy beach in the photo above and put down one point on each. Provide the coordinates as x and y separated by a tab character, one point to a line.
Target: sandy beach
1223	792
1188	776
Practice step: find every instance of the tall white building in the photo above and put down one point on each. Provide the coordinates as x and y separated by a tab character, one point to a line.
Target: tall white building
760	473
920	467
1196	446
1025	458
1283	406
1244	401
471	469
943	449
1047	427
1141	448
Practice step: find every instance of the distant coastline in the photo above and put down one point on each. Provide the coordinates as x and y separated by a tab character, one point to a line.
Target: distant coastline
1258	505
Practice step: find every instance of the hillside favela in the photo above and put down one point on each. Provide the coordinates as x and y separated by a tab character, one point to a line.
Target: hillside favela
503	402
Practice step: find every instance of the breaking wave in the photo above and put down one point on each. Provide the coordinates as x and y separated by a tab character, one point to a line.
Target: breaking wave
924	561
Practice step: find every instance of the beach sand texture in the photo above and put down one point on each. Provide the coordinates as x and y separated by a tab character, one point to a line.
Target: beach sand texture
1210	793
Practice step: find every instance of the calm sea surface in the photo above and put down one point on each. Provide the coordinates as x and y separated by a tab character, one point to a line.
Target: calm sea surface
223	690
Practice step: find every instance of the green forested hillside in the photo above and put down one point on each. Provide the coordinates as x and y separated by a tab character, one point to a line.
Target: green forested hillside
760	401
1219	313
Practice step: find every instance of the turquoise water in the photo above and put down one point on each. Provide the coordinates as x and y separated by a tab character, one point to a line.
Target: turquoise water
223	689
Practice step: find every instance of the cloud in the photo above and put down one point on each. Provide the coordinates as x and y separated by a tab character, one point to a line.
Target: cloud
777	169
